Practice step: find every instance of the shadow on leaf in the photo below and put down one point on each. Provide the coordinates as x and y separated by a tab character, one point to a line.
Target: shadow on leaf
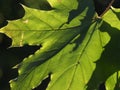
44	84
85	22
109	62
81	8
38	4
117	14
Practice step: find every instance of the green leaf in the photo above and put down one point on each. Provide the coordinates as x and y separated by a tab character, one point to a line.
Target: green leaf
109	61
113	82
73	52
113	18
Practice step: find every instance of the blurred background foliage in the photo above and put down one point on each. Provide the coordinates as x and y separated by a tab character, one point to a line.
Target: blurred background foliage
10	56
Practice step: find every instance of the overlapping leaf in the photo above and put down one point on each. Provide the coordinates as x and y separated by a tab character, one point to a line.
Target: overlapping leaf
72	41
113	82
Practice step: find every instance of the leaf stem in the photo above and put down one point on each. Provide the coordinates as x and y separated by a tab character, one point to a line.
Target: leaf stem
108	7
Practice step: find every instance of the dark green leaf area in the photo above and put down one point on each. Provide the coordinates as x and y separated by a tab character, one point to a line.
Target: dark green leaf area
38	4
109	63
11	9
80	9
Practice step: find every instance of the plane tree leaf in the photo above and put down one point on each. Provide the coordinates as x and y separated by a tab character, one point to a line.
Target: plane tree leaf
113	18
72	43
113	81
108	63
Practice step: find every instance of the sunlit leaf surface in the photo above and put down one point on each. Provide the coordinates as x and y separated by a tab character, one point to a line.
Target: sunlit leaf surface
75	46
